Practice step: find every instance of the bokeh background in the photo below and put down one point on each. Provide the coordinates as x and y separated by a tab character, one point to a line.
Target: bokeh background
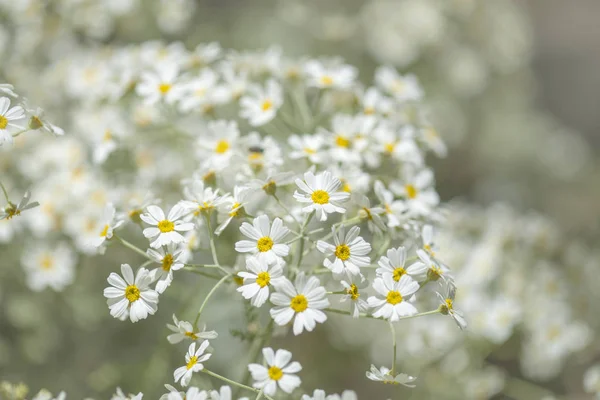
513	89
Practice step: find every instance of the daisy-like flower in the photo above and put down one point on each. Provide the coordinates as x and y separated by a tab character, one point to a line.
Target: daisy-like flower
38	121
9	120
417	190
403	88
319	394
233	207
433	140
218	147
46	395
322	194
158	85
260	105
393	208
309	147
129	297
330	75
224	393
120	395
194	359
447	307
427	237
392	265
171	259
371	214
350	251
107	224
266	239
279	372
193	393
352	289
185	330
12	210
165	230
197	93
49	267
384	375
302	302
258	279
393	298
435	269
201	200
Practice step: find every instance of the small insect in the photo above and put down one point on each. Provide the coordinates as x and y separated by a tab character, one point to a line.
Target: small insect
256	149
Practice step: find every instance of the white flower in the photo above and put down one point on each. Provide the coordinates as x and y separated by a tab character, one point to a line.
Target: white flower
427	237
197	94
435	269
350	251
266	239
393	266
403	88
8	89
9	118
353	294
165	230
12	210
257	281
321	192
185	330
107	224
417	190
319	394
193	393
131	297
46	395
233	206
194	359
224	393
279	372
171	259
260	105
156	86
392	300
394	209
201	199
38	121
371	214
119	395
302	301
383	374
219	145
49	267
448	306
309	147
591	379
333	75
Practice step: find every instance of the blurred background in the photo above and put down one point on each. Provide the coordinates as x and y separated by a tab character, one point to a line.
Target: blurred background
512	87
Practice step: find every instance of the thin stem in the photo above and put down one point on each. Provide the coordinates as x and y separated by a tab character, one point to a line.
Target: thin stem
18	133
333	310
5	193
211	235
260	395
265	337
234	383
132	247
284	207
393	331
208	296
301	246
195	271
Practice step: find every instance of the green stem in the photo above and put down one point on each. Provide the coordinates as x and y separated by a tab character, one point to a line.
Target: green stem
18	133
208	296
234	383
195	271
265	337
260	395
132	247
393	331
301	245
5	193
284	207
211	235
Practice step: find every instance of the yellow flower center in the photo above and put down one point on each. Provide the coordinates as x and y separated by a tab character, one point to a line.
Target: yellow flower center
164	88
47	262
3	122
265	243
235	209
367	212
411	191
341	141
308	150
398	272
320	197
275	373
353	292
132	293
346	186
263	279
389	147
166	226
35	122
434	273
326	80
449	304
266	105
369	110
394	297
299	303
270	188
167	262
222	146
104	231
342	252
192	336
238	280
192	362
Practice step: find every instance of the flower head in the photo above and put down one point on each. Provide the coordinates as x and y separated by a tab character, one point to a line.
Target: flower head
194	359
129	297
265	241
165	230
279	372
393	298
321	193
